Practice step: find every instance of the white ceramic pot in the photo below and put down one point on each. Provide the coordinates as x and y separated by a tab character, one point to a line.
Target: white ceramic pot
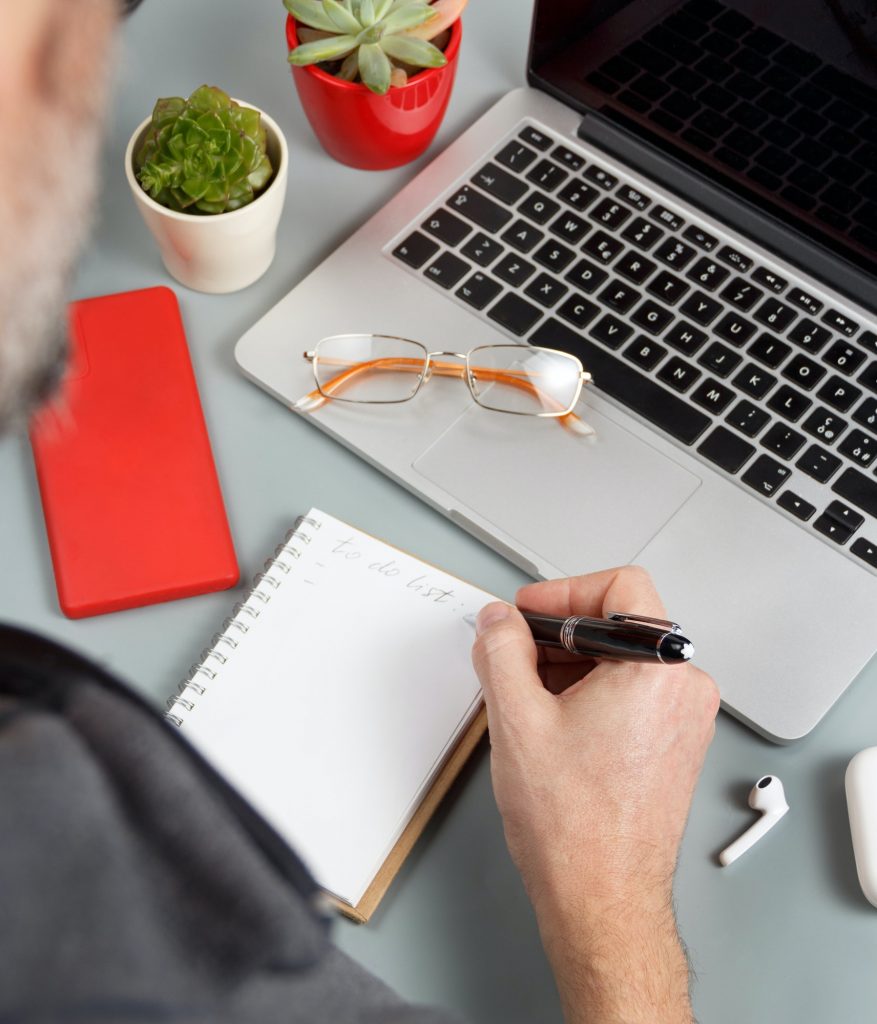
220	252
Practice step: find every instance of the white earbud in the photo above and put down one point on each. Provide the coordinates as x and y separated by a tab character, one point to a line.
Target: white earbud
766	796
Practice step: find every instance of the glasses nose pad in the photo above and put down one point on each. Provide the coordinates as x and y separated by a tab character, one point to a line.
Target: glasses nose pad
424	375
472	381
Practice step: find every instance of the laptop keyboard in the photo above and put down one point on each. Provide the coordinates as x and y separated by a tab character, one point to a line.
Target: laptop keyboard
761	106
736	356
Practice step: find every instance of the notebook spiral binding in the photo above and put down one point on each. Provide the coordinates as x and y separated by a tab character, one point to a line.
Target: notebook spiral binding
225	642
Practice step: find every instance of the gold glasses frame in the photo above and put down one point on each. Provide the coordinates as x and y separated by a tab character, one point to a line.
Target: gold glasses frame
437	362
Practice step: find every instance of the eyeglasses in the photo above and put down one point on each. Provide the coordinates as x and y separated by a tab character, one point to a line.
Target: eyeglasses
380	369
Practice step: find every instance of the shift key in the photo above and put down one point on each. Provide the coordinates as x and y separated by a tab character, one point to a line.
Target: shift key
478	208
622	382
859	489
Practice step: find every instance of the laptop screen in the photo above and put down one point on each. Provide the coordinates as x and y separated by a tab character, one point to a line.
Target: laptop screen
776	101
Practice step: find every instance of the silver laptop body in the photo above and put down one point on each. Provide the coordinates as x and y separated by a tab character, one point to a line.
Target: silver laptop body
781	615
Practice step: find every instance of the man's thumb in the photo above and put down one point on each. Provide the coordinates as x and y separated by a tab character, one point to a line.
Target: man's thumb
504	656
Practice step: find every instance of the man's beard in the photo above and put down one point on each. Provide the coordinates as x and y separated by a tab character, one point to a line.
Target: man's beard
47	188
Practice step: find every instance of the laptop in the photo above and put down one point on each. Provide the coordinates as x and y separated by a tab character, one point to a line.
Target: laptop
685	197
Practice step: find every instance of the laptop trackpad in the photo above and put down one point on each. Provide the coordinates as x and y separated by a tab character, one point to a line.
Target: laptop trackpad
581	504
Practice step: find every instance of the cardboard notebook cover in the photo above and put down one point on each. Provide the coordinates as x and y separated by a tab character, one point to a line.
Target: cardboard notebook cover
340	700
131	498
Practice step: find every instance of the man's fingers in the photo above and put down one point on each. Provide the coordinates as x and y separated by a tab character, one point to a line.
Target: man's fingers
625	589
504	656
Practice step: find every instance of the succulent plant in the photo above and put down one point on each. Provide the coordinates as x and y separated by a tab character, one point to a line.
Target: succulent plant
206	154
377	41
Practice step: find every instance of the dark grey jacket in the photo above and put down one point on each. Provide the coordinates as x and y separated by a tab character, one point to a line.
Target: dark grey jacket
135	884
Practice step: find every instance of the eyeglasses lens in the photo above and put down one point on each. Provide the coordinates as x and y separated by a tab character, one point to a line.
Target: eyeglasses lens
369	368
532	381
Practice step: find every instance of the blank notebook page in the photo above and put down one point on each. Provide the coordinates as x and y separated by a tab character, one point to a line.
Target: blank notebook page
336	708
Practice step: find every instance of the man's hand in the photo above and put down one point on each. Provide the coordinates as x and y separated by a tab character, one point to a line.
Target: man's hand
594	766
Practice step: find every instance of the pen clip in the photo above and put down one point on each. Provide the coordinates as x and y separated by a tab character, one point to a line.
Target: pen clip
674	627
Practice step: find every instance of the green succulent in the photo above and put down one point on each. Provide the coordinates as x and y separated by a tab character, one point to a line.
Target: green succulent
206	154
371	37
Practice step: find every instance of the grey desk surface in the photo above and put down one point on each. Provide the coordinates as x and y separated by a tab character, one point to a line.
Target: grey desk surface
783	936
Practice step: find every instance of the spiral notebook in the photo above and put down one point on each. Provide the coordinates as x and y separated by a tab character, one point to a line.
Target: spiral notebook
341	701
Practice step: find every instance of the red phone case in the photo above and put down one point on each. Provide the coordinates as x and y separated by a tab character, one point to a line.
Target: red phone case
133	508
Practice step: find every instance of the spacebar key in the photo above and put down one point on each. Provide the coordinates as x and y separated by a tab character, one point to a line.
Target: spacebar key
622	382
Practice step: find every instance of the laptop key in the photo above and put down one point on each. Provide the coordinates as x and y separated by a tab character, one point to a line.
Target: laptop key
807	302
838	522
652	317
858	489
634	267
769	350
621	381
795	504
578	310
516	156
668	218
868	341
482	249
601	177
587	276
766	475
713	396
770	280
478	290
783	440
642	234
686	338
809	335
546	290
535	138
840	322
741	293
699	237
499	183
735	328
634	197
603	247
444	225
822	465
844	358
678	374
859	446
569	159
645	352
701	308
839	393
675	254
479	209
416	250
868	376
866	413
578	194
726	449
539	207
720	359
611	331
866	550
547	175
708	273
747	418
754	381
775	314
554	256
447	270
570	228
610	213
522	236
619	296
789	403
668	287
515	313
735	259
804	372
514	270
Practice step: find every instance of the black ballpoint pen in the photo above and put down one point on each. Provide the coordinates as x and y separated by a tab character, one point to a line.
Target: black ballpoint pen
618	637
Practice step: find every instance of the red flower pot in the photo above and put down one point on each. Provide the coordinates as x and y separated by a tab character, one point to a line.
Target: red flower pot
362	129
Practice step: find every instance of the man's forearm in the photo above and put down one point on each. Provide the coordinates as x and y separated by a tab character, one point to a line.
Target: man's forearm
617	968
